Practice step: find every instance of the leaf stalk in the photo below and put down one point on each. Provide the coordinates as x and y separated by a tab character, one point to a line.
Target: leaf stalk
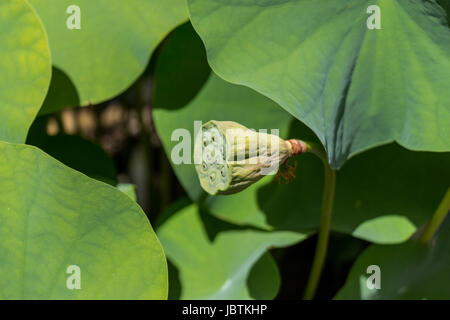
436	220
325	221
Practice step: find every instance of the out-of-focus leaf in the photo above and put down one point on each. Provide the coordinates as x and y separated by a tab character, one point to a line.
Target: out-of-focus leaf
111	48
385	229
181	69
264	280
214	259
25	69
54	217
355	87
407	271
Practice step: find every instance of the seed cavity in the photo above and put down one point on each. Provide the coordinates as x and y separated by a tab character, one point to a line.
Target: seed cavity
213	167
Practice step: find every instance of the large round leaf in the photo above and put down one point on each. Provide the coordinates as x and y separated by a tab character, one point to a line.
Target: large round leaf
112	47
355	87
25	68
407	271
215	259
53	217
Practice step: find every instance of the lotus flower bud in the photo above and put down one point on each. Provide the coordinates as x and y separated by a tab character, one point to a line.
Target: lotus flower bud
230	157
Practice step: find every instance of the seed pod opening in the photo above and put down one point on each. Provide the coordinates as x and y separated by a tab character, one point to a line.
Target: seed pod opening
230	157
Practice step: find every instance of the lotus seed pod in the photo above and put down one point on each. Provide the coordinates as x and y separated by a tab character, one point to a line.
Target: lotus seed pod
230	157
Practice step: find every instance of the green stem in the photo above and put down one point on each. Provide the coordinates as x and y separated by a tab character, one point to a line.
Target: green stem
436	220
325	222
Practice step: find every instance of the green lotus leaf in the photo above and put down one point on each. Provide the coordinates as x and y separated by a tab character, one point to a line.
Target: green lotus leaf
385	229
407	271
111	48
25	69
356	88
54	217
216	260
264	279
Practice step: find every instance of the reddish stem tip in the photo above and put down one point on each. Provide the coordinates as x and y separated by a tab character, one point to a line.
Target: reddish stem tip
298	147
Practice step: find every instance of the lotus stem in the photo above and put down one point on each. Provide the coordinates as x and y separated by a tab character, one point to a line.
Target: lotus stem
325	222
436	220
